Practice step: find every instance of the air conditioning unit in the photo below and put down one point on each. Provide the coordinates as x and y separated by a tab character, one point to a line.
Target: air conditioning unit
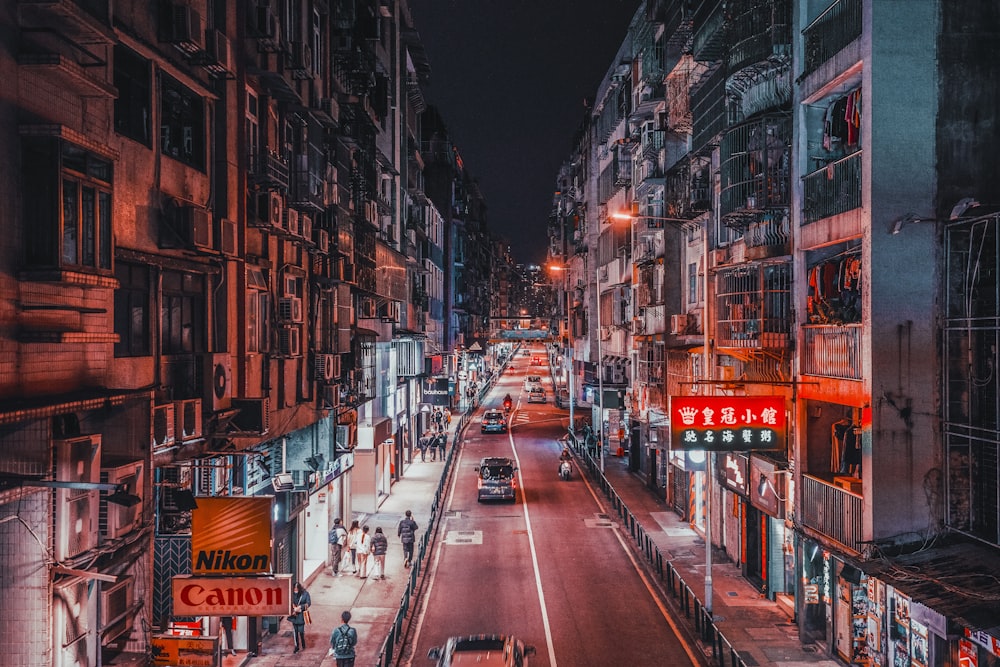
330	397
116	521
290	309
306	227
290	342
270	210
603	272
117	609
163	426
347	272
180	25
638	325
678	324
719	257
605	333
725	373
326	368
218	54
254	415
291	222
321	238
217	377
74	615
187	419
76	510
283	481
228	238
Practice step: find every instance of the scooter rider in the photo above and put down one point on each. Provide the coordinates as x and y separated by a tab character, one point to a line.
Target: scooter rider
564	458
507	402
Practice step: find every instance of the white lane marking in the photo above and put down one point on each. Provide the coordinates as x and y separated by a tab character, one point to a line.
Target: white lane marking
534	559
645	580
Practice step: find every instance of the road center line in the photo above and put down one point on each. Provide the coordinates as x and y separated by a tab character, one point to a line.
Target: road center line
534	558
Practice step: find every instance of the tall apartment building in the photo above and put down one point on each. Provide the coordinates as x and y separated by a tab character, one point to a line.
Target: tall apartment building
808	185
222	277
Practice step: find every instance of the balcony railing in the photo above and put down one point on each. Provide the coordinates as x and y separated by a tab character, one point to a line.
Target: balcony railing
269	169
833	511
771	231
839	25
754	170
832	351
834	189
709	30
762	32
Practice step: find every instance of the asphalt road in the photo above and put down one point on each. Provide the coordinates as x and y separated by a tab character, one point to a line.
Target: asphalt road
552	568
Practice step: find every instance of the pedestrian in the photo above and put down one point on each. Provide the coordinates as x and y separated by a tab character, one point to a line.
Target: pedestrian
342	642
338	540
433	446
364	548
352	547
447	417
442	443
438	418
226	624
407	535
423	444
300	605
380	545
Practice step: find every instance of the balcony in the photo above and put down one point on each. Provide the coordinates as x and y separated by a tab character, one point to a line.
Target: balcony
309	192
839	25
760	33
833	511
755	169
269	170
769	237
833	189
709	43
832	351
753	306
708	109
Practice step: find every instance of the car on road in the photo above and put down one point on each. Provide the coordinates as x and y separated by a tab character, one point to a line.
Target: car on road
532	381
536	395
482	650
496	479
494	421
536	361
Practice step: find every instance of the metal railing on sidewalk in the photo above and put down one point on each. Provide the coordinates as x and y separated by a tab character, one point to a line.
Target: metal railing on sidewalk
690	605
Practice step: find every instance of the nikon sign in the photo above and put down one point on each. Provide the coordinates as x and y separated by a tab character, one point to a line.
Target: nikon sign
231	535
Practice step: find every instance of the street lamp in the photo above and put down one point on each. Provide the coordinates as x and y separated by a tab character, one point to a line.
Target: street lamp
568	352
710	463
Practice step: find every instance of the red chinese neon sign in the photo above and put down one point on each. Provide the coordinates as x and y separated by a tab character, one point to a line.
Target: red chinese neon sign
727	423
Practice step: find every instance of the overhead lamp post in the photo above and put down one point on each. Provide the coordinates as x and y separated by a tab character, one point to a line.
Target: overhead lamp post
710	458
568	352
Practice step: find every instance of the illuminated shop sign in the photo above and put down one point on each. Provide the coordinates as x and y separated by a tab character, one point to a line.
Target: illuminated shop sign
727	423
231	535
231	596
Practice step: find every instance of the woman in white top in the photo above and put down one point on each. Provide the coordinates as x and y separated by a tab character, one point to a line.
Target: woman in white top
351	551
364	544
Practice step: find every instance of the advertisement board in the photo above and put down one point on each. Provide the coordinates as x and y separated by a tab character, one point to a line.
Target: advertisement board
727	423
175	651
232	596
231	535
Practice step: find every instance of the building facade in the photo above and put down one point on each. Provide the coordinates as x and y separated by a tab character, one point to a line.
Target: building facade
789	199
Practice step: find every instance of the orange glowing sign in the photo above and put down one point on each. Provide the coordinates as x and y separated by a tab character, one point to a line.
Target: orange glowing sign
727	423
231	535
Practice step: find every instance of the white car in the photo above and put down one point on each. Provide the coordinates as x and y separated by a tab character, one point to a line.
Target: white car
536	395
532	382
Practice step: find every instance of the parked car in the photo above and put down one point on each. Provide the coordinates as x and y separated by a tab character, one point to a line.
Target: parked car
483	650
536	395
494	421
562	398
496	479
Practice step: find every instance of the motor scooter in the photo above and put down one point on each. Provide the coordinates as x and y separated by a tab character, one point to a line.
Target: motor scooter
506	407
565	470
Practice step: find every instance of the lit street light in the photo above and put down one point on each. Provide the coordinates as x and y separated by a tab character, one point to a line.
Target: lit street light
710	461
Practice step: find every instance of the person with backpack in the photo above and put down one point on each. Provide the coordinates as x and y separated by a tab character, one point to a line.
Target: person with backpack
342	642
380	546
338	540
407	535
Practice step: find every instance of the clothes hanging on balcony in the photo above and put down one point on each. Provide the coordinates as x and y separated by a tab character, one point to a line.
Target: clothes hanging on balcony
834	295
852	117
845	448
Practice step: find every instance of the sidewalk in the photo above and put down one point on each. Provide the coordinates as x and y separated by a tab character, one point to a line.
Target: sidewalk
373	603
760	630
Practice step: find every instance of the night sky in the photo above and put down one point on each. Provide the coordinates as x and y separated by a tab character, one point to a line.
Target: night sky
510	78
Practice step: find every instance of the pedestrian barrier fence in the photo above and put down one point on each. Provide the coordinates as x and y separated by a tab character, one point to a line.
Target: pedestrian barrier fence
722	651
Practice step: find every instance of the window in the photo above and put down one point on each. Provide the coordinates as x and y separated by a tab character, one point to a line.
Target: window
132	310
693	282
67	206
182	123
132	106
182	313
258	307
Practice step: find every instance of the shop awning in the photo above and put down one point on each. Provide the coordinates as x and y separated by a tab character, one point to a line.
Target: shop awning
959	581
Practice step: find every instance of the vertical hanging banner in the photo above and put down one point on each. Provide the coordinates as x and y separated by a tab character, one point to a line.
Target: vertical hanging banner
728	423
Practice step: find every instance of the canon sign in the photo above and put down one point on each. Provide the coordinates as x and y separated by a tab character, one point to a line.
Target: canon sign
232	596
